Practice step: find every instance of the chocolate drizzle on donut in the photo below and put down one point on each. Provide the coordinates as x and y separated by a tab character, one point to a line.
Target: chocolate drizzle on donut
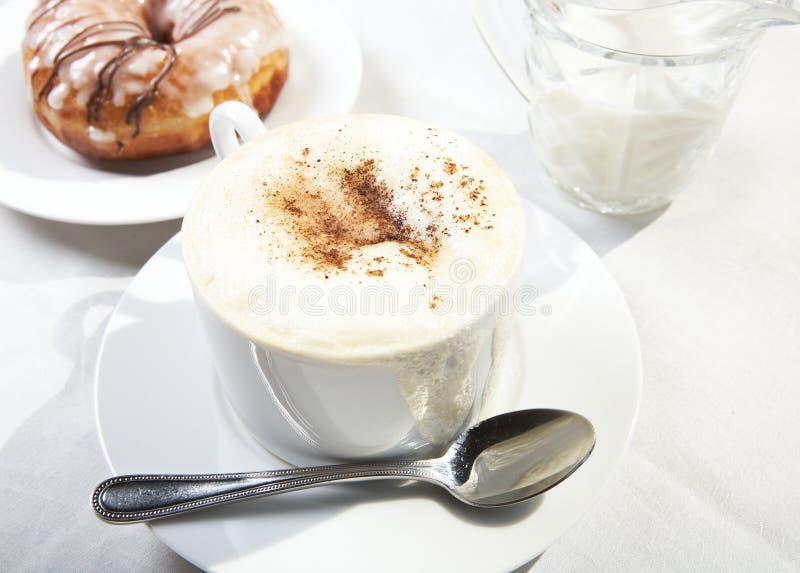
43	10
202	14
135	40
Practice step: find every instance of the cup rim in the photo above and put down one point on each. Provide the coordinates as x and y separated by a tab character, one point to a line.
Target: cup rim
316	355
367	353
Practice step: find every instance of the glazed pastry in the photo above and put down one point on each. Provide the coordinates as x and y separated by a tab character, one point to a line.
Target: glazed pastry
137	78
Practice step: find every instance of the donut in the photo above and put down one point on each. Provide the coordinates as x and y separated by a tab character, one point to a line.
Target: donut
131	79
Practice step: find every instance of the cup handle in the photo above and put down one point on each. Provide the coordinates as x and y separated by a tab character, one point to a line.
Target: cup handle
489	18
229	119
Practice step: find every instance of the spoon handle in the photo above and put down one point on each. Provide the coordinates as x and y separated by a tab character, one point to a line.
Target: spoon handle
135	498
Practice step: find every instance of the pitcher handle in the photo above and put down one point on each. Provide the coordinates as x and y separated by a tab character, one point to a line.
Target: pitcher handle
488	17
229	119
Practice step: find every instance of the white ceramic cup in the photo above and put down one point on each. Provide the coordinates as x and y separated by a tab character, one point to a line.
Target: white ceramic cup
306	410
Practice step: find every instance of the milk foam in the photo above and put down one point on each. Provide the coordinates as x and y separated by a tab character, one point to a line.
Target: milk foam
252	257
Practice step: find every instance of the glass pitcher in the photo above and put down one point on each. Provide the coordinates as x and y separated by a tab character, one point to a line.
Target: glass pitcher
628	97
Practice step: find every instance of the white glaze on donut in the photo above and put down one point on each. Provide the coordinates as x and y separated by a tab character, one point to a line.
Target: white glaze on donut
226	53
210	55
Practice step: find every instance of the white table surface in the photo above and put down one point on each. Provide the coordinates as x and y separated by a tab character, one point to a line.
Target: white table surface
711	480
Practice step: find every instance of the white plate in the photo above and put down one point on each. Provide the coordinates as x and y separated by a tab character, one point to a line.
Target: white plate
159	409
41	177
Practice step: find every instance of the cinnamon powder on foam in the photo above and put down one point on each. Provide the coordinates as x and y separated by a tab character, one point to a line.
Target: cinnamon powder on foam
329	225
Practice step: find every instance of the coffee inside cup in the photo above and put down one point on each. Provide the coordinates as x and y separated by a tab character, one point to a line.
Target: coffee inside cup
362	239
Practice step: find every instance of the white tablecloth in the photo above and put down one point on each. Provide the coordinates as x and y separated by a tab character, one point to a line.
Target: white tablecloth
710	481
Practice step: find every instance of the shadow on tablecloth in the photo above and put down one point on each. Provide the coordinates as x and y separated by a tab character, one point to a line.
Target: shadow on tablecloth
49	467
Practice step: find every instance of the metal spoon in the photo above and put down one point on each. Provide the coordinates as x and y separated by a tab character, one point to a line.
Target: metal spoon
502	460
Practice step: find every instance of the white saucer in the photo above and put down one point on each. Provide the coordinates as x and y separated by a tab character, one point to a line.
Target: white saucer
159	409
41	177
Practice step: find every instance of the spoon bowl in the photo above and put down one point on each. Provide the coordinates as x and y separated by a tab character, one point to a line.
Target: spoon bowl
502	460
515	456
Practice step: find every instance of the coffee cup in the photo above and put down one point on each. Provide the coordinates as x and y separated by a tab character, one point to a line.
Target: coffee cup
350	274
